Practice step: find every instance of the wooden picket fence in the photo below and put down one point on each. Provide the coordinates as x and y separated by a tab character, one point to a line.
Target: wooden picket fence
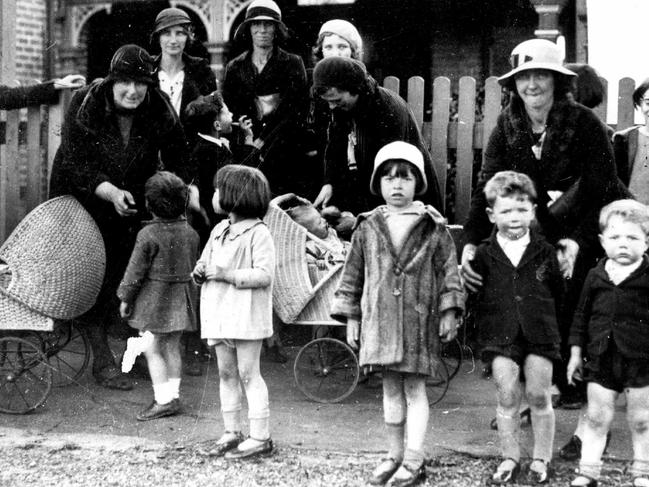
31	137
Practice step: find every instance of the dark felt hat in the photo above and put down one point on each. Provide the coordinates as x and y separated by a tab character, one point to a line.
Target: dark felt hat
343	73
131	62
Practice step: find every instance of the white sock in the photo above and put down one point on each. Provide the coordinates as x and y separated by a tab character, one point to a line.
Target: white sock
174	387
161	393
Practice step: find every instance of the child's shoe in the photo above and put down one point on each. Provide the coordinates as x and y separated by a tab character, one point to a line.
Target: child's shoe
262	447
642	481
539	472
156	410
506	473
229	441
408	475
582	480
384	471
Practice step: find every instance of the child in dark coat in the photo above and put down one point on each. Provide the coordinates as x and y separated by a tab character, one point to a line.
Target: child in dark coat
401	280
611	327
516	316
157	294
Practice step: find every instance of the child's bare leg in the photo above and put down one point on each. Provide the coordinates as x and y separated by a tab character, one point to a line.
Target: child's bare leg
172	356
229	391
506	374
158	369
394	413
638	418
538	379
601	404
248	352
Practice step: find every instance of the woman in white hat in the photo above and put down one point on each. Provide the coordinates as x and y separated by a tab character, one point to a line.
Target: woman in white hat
566	151
268	84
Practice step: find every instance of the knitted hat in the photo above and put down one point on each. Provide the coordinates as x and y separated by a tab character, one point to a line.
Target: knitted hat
170	17
261	10
399	150
131	62
343	29
535	54
343	73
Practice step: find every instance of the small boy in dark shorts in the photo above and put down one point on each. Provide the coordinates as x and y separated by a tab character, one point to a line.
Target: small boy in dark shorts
611	326
517	320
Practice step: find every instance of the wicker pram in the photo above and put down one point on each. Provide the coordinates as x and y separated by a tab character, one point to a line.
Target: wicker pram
51	266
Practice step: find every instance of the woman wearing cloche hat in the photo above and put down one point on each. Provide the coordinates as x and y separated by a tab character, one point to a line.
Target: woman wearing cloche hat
115	134
564	148
268	84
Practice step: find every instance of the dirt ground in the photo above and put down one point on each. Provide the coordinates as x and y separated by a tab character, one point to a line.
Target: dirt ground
87	435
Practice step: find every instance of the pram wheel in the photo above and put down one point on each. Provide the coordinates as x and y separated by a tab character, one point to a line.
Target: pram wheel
68	350
25	376
437	385
326	370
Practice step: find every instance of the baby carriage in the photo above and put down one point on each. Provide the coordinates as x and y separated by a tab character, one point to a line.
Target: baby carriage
326	369
51	269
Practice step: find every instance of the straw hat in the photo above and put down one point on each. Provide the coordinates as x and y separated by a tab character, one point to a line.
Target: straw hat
535	54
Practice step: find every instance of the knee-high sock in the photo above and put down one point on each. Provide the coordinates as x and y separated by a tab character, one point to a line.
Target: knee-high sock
508	431
543	427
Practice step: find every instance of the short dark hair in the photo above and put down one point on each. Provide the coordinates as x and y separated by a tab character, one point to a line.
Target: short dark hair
509	183
166	195
638	93
243	190
400	168
202	113
588	89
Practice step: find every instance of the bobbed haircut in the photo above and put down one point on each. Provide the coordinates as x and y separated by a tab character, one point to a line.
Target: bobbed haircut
629	210
166	195
588	89
243	191
203	112
638	93
509	183
401	169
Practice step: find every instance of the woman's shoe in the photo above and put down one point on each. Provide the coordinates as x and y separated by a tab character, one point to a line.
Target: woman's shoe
541	476
504	475
222	447
413	476
582	480
265	447
384	471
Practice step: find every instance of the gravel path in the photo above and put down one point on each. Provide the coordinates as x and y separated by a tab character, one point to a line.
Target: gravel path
68	464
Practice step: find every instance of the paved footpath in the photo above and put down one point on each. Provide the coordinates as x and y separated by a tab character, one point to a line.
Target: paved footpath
88	414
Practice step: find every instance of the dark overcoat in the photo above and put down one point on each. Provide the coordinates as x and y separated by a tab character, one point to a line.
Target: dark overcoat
399	297
12	98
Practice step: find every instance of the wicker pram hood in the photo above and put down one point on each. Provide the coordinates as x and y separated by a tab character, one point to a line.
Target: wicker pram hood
56	261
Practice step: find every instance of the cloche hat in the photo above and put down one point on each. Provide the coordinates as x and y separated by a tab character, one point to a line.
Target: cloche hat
262	10
399	150
346	30
170	17
535	54
131	62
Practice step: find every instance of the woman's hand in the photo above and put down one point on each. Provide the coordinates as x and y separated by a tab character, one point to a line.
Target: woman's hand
124	310
448	325
567	250
245	124
198	274
324	196
121	199
472	280
575	364
353	332
70	81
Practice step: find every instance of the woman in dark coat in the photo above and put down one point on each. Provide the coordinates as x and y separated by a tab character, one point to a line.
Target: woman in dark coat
116	133
268	84
566	151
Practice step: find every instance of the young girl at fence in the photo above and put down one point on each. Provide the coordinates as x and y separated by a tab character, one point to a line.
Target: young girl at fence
236	270
610	327
401	281
516	317
156	293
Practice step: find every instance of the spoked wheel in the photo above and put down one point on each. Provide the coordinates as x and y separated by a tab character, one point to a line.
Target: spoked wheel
68	350
326	370
437	385
451	353
25	376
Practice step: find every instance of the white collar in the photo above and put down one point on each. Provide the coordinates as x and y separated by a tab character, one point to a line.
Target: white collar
221	141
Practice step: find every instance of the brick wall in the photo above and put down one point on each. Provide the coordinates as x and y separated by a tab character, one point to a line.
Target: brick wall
30	34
